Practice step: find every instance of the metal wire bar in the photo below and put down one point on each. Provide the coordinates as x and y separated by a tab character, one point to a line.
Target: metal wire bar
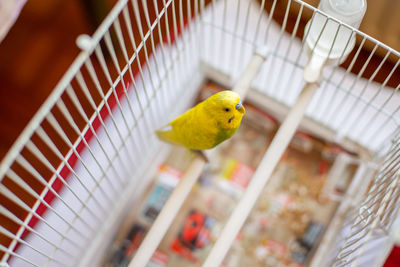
297	60
139	25
20	182
86	92
33	148
382	178
258	20
39	178
58	91
173	59
378	111
8	251
192	35
235	30
213	31
162	49
160	35
355	240
331	237
202	4
154	54
283	67
281	34
75	101
116	64
236	63
222	45
360	220
168	34
352	242
175	33
337	110
387	168
391	209
121	41
94	77
325	111
380	193
270	15
59	130
120	147
31	212
136	56
103	64
71	121
388	119
185	41
390	115
89	197
314	9
36	175
18	221
103	96
191	50
11	196
234	35
372	226
368	258
21	241
355	122
175	27
125	13
375	197
324	90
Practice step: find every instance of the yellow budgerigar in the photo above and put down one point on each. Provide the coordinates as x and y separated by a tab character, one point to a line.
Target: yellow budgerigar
207	124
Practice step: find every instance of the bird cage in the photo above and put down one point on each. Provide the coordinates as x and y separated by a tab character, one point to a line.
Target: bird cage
79	165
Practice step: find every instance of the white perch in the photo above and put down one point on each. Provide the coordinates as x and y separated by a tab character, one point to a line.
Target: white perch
172	206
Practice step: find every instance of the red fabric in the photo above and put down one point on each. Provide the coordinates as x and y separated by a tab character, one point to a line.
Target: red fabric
393	260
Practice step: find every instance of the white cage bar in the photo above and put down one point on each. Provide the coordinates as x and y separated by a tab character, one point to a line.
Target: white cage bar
79	164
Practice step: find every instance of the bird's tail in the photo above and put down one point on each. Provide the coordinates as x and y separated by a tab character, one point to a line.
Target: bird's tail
162	135
166	134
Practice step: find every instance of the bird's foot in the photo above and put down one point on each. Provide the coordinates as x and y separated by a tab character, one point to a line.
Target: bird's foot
202	155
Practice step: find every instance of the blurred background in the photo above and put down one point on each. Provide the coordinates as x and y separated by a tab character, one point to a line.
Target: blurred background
39	47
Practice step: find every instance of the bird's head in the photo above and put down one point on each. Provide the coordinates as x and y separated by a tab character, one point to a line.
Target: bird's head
226	107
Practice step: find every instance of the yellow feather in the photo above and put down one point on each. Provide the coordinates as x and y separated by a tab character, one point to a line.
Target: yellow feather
207	124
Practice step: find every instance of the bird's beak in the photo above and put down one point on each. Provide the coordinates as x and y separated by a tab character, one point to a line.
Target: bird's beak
240	107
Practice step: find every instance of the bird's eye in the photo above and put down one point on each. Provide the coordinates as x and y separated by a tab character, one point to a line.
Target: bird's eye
227	109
